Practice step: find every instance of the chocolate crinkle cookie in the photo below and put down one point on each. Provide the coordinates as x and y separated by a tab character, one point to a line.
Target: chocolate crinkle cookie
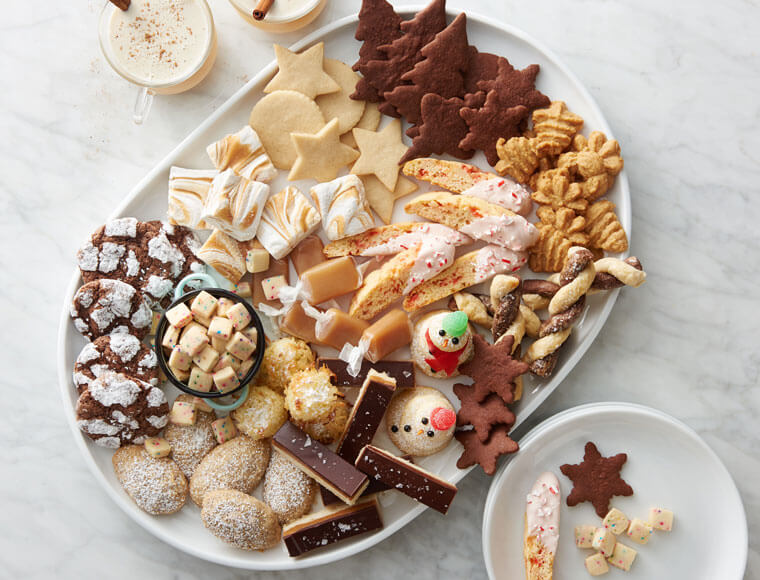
150	256
116	409
115	353
104	307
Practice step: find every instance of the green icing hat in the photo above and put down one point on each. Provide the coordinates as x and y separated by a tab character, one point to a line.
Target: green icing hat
455	323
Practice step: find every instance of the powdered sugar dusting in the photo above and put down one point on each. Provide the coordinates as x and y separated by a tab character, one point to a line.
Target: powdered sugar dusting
110	254
156	397
287	489
115	389
158	421
121	228
156	485
158	286
89	353
133	264
125	346
88	257
142	316
160	248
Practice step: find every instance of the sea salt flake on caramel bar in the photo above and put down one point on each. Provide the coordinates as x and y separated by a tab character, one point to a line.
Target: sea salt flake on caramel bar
330	279
639	531
204	305
206	359
199	380
220	327
180	358
224	430
182	413
239	316
157	447
271	287
194	340
661	519
226	380
240	346
401	370
179	315
257	260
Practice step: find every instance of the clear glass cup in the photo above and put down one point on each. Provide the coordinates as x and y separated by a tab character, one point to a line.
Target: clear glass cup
146	87
284	16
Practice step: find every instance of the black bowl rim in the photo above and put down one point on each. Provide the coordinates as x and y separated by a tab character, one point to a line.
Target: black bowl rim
161	329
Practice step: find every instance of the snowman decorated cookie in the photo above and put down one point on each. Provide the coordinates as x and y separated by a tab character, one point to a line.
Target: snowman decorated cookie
420	421
441	342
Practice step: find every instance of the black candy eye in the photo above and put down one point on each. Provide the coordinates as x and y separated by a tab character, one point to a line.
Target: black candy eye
431	433
424	420
407	428
394	428
442	332
455	340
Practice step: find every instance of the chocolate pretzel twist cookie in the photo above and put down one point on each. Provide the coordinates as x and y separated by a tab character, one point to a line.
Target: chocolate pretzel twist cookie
508	320
613	273
565	307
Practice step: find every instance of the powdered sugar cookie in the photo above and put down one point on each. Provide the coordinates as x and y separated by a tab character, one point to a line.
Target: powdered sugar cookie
117	353
116	409
240	520
287	489
420	421
105	307
191	443
156	485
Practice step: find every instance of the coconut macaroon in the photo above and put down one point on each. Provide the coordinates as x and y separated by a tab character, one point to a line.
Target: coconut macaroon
310	396
282	359
262	413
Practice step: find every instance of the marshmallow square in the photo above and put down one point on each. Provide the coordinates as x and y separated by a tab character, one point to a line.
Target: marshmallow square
243	289
223	305
271	286
206	359
157	447
584	535
219	344
227	360
639	531
239	316
220	328
241	346
622	557
182	413
243	369
615	521
194	339
257	260
179	315
202	405
604	541
171	337
180	358
661	519
200	380
226	380
224	430
204	305
597	565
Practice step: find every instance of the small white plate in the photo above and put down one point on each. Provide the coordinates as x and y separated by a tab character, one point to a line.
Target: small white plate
668	466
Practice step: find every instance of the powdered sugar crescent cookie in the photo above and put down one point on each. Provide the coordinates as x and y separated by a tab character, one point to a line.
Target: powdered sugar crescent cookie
116	353
241	520
116	409
150	256
420	421
237	464
156	485
104	307
287	489
191	443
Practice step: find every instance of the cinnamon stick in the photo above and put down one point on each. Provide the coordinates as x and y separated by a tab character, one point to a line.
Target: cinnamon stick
121	4
261	9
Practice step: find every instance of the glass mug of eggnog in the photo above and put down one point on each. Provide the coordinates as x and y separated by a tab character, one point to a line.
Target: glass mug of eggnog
163	46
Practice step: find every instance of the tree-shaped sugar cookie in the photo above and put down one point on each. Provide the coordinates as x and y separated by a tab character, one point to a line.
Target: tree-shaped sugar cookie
604	229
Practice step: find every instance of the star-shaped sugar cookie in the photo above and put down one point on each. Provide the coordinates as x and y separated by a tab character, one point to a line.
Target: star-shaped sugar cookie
596	479
382	199
380	153
302	72
320	155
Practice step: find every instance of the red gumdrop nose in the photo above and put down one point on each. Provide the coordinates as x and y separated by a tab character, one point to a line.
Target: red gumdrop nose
442	419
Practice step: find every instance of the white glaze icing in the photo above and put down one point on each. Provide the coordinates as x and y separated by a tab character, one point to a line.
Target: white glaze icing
542	511
513	232
504	192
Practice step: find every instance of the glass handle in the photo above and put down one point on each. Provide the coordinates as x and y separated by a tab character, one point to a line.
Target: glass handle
143	103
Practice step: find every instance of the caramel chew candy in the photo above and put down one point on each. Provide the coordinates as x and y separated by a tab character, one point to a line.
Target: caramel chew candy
339	328
407	478
330	279
318	462
307	254
299	324
330	526
389	333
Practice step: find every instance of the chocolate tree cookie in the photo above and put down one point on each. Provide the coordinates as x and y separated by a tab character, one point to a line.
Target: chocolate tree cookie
104	307
116	409
151	256
116	353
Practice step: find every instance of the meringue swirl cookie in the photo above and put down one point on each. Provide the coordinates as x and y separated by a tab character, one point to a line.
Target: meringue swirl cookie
244	154
188	189
541	527
116	409
117	353
104	307
287	219
234	205
343	206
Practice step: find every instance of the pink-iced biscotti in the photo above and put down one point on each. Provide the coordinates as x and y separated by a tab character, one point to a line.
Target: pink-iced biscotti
541	527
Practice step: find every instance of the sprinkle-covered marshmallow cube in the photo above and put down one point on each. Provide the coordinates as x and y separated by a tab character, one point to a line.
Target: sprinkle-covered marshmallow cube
597	565
223	305
220	327
257	260
243	289
243	369
206	359
615	521
240	346
194	340
227	360
224	429
639	531
584	535
239	316
622	557
182	413
202	405
226	380
180	358
604	541
200	380
179	315
204	305
171	337
157	447
661	519
271	286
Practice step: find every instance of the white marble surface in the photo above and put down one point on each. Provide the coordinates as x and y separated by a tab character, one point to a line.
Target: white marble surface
678	82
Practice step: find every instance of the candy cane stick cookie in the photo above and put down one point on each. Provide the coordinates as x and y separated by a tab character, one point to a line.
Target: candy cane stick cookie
566	306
